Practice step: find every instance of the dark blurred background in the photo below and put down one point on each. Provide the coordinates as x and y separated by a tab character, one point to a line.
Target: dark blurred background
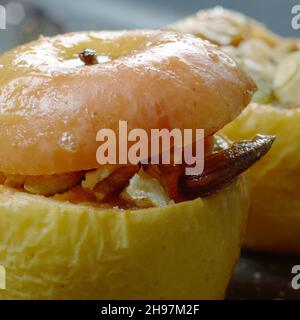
27	19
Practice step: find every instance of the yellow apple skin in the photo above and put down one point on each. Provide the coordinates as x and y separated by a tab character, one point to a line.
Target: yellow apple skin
274	217
59	250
